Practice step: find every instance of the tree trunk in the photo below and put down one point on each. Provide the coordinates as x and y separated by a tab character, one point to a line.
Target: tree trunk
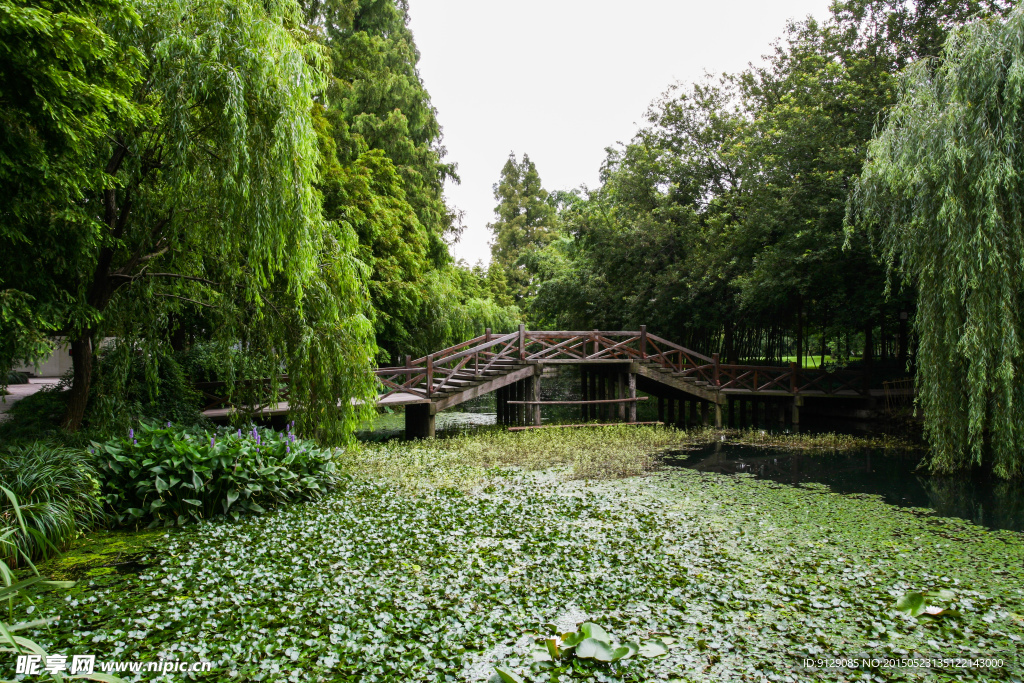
81	359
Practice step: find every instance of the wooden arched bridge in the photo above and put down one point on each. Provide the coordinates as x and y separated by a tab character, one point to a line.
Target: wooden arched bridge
614	365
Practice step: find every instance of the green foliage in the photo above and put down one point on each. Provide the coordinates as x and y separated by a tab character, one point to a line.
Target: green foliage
383	176
940	193
582	651
526	222
59	499
168	475
201	212
720	225
748	576
65	79
36	417
130	387
929	606
14	527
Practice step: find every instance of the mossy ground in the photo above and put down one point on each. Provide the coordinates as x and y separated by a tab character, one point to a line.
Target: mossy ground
101	552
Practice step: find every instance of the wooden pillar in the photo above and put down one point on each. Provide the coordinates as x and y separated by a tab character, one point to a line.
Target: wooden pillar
620	393
535	394
521	396
631	386
670	411
718	415
591	394
584	394
797	402
704	414
611	407
419	421
500	405
693	414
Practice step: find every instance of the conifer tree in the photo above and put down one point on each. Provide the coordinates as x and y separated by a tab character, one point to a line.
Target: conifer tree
526	223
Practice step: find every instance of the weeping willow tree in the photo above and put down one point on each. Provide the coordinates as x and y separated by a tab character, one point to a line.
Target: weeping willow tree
202	211
942	192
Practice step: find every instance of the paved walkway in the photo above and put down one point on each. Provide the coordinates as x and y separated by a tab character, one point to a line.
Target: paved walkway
16	392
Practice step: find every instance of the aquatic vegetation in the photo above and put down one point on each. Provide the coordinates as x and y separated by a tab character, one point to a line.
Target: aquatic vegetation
376	581
472	459
583	651
818	442
166	475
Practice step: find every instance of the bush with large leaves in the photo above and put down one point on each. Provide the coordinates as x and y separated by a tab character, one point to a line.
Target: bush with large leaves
169	476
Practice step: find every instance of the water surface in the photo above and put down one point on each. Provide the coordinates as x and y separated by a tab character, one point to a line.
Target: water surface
984	500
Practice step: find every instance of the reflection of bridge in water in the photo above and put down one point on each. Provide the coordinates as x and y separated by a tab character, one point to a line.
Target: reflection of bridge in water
689	386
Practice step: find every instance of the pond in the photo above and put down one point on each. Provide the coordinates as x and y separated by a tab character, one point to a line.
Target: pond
986	501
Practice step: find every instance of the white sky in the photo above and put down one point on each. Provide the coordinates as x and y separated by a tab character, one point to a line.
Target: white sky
561	80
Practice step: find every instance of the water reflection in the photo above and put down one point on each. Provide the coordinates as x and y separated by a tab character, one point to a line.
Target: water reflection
392	425
983	500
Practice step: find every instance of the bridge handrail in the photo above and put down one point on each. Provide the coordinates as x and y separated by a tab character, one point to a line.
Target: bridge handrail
677	347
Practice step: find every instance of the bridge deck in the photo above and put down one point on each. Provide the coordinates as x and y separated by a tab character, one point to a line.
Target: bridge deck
490	363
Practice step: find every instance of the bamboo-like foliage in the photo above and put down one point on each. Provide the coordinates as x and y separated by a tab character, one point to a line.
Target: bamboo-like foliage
942	192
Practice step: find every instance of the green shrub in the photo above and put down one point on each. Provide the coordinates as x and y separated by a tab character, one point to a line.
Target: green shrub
130	385
59	494
170	475
37	416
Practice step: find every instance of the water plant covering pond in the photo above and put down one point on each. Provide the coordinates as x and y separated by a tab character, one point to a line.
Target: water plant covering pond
743	579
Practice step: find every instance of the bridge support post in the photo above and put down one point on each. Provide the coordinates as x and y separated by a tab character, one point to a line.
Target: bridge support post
609	380
692	422
620	392
535	394
419	420
670	411
704	414
631	385
583	392
798	401
520	412
502	405
718	415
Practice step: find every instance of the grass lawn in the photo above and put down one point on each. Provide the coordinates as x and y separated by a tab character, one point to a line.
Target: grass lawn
436	561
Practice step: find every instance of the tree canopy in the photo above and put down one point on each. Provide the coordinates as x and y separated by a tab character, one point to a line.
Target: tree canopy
201	198
941	192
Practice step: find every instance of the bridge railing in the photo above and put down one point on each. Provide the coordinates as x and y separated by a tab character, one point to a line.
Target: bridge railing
480	355
791	380
432	373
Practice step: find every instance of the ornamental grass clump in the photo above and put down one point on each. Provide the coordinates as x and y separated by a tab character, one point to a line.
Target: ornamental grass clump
165	476
58	492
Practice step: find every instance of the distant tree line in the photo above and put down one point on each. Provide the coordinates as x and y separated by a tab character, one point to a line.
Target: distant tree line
741	219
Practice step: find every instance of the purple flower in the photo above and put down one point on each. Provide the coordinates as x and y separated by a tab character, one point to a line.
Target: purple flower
131	433
239	433
213	441
168	424
287	449
135	442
